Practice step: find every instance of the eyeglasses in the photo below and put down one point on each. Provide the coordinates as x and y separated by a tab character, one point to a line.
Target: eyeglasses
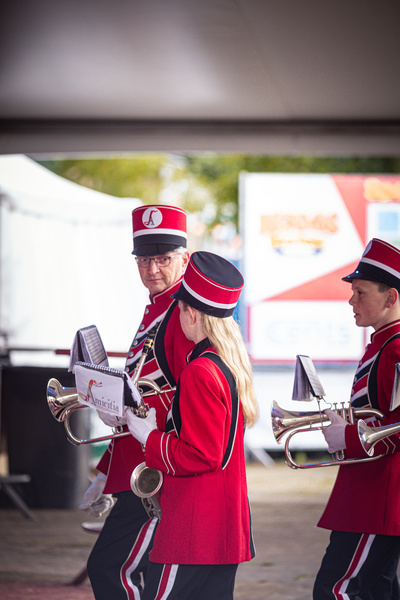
160	261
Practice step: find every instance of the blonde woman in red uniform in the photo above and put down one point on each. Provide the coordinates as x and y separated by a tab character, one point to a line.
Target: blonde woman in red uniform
205	529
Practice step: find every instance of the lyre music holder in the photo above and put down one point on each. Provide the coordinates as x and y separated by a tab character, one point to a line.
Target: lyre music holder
307	385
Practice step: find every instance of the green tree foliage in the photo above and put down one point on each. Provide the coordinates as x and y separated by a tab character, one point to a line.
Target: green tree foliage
200	182
139	176
220	173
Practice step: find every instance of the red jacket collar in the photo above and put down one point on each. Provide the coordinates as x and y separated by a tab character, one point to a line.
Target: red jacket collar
384	333
160	297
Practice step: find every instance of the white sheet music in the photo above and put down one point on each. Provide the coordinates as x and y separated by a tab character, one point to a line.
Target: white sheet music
105	388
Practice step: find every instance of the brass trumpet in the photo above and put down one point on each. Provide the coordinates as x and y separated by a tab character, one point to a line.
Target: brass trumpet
62	402
369	436
284	421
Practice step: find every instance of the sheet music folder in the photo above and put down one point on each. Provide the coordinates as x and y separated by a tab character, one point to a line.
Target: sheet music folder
104	388
99	385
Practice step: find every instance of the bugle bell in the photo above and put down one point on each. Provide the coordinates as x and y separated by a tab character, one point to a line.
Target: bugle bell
60	399
291	423
369	436
146	483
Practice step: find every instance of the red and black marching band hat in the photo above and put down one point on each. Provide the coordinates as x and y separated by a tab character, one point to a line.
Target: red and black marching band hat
211	284
158	229
380	262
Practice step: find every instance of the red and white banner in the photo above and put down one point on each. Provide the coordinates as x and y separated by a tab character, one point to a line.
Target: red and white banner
302	234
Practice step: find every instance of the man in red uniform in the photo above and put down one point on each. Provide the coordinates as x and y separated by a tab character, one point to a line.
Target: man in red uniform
120	554
205	529
363	511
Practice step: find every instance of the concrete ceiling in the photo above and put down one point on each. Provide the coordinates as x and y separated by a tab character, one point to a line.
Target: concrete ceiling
265	76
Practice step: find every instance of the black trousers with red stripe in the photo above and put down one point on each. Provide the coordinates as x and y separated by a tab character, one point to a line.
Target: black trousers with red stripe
189	582
359	566
120	555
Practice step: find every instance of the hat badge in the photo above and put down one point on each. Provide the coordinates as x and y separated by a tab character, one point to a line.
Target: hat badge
152	217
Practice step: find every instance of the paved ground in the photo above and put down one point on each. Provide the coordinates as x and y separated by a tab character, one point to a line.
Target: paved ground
39	559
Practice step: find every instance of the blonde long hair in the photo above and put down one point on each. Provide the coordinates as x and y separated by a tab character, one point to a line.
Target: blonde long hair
225	336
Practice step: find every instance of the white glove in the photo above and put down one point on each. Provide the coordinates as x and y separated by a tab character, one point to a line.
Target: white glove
334	433
111	420
95	503
141	428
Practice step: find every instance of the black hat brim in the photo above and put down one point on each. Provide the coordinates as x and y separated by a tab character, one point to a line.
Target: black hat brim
367	276
154	249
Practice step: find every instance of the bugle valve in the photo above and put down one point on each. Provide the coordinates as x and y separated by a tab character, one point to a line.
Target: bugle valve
291	423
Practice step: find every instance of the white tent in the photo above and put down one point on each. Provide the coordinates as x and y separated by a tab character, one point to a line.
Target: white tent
65	263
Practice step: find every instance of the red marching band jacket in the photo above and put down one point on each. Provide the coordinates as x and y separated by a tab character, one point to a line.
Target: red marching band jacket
206	514
365	497
164	366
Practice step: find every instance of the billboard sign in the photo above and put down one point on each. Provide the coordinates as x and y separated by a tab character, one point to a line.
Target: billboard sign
301	234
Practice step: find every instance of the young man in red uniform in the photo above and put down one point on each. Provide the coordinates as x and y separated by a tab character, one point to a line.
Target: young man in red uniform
205	529
120	554
363	511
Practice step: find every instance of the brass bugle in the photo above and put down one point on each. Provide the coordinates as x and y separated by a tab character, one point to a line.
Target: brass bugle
146	483
369	436
290	422
62	402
